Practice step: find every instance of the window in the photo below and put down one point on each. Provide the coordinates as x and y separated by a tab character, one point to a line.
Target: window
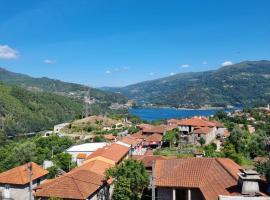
7	191
38	181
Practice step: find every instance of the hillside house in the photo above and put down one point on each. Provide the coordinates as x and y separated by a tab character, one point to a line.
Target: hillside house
85	149
193	129
15	183
205	179
87	181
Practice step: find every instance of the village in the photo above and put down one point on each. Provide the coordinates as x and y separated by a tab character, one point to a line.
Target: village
175	154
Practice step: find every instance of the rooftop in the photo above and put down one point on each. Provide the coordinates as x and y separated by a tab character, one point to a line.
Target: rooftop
87	147
114	152
213	176
20	175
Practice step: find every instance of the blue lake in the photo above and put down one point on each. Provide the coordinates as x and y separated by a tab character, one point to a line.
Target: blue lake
151	114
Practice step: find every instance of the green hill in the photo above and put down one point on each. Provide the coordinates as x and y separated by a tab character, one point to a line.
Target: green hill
246	84
57	86
23	111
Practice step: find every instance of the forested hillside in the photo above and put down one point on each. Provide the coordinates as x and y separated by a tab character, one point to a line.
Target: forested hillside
57	86
23	111
245	84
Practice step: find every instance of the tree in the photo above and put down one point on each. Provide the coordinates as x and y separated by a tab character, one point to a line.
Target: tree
53	170
202	141
122	189
131	178
171	137
99	138
63	161
25	152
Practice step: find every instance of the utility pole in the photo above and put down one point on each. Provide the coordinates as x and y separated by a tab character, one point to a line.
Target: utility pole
30	180
152	181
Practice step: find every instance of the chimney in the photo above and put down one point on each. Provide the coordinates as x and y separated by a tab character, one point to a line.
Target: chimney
250	182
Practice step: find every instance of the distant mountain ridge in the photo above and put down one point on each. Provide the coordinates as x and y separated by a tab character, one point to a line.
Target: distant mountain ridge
246	84
57	86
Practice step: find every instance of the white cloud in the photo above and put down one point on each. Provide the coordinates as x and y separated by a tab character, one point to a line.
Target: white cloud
151	73
125	68
8	53
172	73
48	61
204	62
108	72
226	63
185	65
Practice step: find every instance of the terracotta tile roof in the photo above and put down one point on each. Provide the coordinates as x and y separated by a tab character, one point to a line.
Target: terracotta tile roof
148	159
81	156
20	175
77	184
158	129
203	130
154	138
114	152
213	176
195	121
96	166
131	140
138	135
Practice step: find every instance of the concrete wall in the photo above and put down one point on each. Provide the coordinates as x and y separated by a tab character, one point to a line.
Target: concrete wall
19	192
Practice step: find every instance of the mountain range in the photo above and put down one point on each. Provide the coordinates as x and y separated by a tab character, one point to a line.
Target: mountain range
57	86
30	104
243	84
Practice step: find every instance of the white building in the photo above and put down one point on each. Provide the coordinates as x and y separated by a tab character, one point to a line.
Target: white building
86	149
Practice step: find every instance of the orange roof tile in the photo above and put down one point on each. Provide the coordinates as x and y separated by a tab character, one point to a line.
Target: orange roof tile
97	166
195	121
138	135
20	175
131	140
203	130
154	138
158	129
114	152
147	160
78	184
213	176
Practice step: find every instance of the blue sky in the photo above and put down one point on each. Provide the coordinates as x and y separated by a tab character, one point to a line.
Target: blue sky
119	42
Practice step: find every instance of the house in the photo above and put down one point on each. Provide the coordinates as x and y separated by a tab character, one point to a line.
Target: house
195	128
204	179
113	153
88	181
86	148
152	135
133	143
208	134
85	182
57	128
15	183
